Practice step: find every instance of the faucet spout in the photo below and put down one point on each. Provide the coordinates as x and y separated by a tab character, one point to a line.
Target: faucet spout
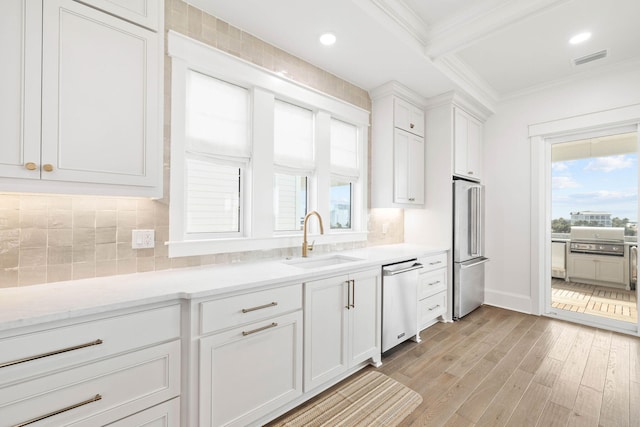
305	246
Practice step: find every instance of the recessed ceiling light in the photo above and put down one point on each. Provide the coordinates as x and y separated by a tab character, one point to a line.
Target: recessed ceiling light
579	38
328	39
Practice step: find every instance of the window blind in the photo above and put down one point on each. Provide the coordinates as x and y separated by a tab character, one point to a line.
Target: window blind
293	136
217	116
344	148
213	197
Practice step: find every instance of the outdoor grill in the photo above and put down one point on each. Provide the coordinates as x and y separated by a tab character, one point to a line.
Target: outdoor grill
597	240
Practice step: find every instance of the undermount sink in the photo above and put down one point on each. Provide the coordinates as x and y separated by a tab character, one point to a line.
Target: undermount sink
321	261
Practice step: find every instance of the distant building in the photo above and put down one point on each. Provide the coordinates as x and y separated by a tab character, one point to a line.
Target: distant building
594	218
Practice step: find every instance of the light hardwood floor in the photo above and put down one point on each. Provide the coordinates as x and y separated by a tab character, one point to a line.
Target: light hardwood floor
501	368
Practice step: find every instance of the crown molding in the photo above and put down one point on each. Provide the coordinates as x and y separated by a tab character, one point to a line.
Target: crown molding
573	78
398	89
468	80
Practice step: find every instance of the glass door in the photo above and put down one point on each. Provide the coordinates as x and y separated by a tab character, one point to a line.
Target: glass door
594	192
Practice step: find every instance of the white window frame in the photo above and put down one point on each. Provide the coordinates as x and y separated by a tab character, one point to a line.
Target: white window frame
265	86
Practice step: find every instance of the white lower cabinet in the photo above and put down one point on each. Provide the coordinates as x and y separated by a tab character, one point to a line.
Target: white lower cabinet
596	268
166	414
60	383
342	325
432	290
251	365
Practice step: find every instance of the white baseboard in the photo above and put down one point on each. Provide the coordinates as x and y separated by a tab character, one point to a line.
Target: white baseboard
515	302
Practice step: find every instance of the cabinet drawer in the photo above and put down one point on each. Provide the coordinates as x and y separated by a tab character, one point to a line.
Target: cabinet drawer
432	282
233	311
142	12
39	352
97	393
166	414
432	307
408	117
433	262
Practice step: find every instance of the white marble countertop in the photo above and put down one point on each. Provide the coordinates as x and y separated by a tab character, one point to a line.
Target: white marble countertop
32	305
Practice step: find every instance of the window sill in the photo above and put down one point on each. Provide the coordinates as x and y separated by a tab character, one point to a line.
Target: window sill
218	246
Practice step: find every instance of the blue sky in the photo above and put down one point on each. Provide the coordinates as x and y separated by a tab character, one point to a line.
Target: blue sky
596	184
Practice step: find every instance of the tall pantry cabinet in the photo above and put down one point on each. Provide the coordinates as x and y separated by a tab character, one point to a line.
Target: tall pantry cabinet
397	147
84	88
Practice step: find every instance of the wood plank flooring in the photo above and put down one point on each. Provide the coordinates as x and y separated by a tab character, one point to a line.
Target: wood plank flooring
501	368
601	301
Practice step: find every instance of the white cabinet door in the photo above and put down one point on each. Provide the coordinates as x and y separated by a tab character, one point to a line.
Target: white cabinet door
408	117
325	330
467	145
610	269
408	168
582	266
99	97
143	12
20	44
366	298
250	371
166	414
341	325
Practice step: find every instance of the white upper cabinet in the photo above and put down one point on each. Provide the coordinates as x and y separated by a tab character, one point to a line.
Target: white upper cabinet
143	12
407	116
20	73
99	131
397	149
467	145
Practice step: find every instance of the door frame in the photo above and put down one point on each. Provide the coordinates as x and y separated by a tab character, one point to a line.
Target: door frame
542	136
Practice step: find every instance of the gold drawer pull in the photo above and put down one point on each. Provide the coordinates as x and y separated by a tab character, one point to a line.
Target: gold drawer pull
434	283
31	166
51	353
47	168
260	307
434	307
435	263
273	325
60	411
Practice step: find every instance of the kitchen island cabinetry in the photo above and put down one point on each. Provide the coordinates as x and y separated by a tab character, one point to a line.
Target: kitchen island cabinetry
467	145
398	148
91	372
87	71
253	365
342	325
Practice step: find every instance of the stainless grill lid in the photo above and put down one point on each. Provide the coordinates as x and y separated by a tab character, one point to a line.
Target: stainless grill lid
597	234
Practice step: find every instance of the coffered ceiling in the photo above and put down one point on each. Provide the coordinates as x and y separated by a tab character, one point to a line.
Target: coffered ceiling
490	49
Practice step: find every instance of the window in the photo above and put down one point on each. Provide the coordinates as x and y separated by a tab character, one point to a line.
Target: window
294	160
252	154
344	172
217	147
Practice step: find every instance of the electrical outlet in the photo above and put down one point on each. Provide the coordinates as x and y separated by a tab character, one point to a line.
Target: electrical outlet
142	239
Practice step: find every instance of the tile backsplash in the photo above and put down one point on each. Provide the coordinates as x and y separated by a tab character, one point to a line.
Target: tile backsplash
49	238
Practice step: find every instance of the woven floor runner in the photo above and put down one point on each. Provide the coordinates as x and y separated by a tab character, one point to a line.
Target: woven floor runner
371	399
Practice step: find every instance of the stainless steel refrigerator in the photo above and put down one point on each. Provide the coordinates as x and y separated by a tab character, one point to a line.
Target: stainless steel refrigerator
468	247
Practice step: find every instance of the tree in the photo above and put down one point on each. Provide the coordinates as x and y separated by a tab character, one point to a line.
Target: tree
560	225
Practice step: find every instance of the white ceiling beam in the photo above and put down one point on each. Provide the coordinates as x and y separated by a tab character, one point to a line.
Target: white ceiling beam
462	31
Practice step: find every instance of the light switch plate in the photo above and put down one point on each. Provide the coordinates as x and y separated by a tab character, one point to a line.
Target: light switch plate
142	239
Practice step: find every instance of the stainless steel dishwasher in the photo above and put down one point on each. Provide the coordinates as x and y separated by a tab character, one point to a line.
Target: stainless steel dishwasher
399	302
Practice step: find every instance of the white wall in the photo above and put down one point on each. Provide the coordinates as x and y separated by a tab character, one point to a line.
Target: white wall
507	165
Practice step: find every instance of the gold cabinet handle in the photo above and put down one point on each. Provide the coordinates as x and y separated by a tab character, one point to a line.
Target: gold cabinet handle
31	166
51	353
60	411
47	168
260	307
411	125
273	325
434	307
433	283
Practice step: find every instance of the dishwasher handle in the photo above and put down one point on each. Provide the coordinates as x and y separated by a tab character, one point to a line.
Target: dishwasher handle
415	266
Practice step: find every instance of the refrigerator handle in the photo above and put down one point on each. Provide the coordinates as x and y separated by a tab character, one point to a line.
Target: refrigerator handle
474	211
479	225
